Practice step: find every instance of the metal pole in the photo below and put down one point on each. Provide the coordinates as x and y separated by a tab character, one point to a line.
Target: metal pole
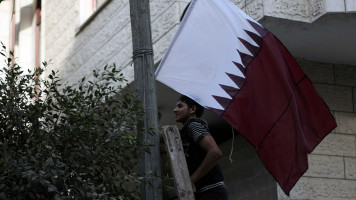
146	88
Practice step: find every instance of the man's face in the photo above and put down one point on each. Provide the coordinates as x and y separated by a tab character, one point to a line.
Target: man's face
182	111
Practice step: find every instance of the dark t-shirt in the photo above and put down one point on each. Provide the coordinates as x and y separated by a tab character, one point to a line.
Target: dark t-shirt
192	131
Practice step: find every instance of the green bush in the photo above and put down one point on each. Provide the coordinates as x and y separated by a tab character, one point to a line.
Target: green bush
67	141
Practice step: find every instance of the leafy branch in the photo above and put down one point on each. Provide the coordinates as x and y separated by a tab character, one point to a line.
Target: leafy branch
67	141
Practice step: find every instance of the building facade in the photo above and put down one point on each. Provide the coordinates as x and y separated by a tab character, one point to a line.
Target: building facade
82	35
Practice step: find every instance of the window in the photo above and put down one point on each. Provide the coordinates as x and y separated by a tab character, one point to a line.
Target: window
37	39
88	10
96	4
38	34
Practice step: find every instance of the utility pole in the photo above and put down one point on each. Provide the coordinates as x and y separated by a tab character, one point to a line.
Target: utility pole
146	88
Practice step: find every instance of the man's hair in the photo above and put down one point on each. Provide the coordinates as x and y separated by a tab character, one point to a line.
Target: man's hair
190	103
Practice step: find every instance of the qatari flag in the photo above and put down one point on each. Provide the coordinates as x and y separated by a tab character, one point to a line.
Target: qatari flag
229	63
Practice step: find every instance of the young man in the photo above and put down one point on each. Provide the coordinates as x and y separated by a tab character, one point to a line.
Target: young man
201	151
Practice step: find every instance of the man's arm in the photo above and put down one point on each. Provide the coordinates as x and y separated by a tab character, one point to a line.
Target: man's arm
213	153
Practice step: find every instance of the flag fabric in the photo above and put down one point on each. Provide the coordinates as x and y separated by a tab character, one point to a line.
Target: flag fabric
231	64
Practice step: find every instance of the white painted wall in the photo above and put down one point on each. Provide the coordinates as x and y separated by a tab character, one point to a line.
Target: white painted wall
5	25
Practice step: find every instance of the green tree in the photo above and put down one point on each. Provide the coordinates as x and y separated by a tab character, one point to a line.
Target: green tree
67	141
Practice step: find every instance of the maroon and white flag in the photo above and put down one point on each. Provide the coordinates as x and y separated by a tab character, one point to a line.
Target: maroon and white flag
229	63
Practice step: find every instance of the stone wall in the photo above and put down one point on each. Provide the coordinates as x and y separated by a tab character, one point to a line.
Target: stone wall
106	39
305	10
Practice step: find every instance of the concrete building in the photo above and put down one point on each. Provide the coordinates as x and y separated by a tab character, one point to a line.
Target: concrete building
81	35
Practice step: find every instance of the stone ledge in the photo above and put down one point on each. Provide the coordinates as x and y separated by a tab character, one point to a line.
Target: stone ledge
299	10
255	9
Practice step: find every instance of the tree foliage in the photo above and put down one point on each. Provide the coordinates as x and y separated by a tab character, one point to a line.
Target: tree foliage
67	141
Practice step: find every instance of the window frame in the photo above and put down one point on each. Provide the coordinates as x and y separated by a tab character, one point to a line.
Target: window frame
95	11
